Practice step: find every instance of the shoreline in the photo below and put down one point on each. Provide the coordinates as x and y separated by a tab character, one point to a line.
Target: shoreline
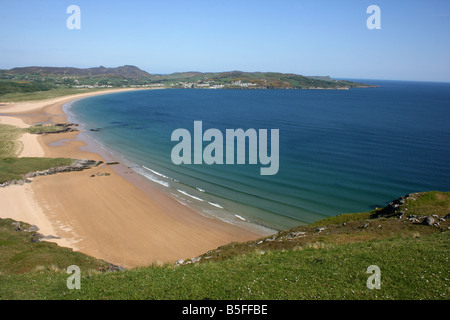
132	172
110	215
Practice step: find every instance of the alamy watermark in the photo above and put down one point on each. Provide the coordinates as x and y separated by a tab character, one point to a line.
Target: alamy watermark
74	20
213	153
74	281
374	281
374	20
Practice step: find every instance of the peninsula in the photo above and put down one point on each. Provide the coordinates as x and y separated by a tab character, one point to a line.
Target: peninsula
58	80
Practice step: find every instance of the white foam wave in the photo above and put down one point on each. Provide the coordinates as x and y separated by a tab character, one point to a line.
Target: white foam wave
155	172
240	217
215	205
190	195
153	178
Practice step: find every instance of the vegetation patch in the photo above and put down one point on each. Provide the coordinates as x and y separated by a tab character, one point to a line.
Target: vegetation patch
15	168
50	128
9	145
411	268
19	253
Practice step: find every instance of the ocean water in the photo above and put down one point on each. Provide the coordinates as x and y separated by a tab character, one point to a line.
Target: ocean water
339	151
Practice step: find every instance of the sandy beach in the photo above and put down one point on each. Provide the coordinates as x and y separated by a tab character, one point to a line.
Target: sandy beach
107	212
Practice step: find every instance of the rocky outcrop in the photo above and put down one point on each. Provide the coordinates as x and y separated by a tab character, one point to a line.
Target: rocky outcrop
394	208
35	236
63	127
428	221
398	208
38	237
77	165
16	225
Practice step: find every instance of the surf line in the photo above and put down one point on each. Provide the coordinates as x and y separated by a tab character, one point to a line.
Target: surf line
213	153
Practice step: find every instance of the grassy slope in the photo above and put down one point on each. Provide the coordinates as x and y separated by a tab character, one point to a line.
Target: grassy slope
9	145
20	255
330	264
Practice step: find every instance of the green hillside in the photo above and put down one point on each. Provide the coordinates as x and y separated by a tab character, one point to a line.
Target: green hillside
252	80
30	83
325	260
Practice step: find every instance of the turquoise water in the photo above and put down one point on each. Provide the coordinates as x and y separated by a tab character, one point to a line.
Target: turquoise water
340	151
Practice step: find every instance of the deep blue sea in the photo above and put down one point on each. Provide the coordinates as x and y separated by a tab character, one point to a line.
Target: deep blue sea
339	151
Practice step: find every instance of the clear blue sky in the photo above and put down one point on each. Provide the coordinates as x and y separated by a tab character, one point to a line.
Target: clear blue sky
309	37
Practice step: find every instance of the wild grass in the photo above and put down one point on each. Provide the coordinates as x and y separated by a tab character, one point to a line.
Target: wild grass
9	145
40	129
411	268
18	254
433	202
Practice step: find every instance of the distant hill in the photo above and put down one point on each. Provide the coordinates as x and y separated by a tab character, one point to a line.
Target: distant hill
126	71
25	80
252	80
